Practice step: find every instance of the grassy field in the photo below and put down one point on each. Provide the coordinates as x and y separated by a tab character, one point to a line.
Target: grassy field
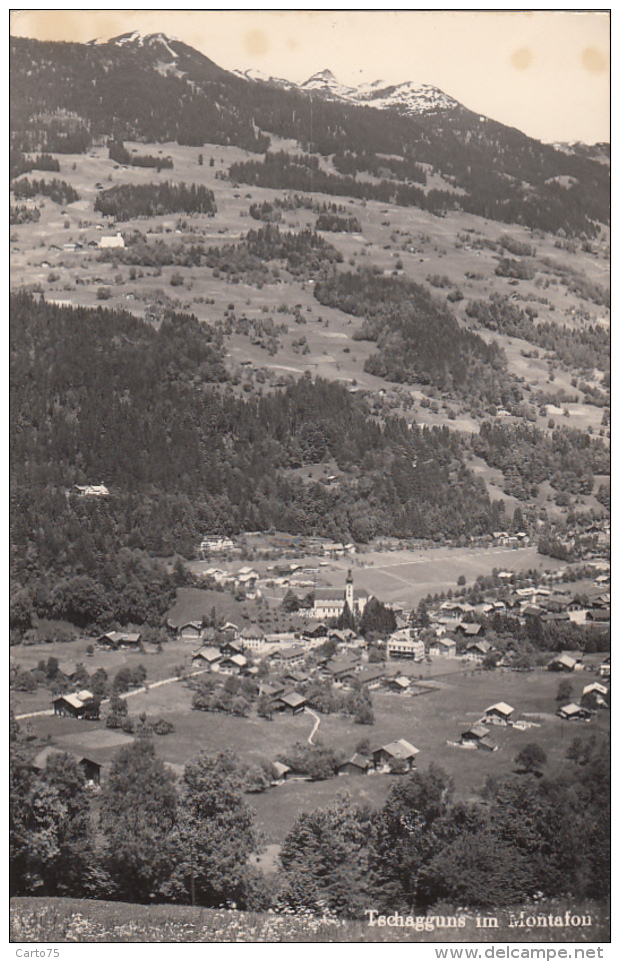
49	920
430	721
423	244
158	665
401	575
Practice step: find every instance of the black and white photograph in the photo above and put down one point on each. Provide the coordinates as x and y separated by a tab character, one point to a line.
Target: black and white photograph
310	480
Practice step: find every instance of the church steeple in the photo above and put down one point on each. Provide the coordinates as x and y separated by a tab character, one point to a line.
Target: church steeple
348	592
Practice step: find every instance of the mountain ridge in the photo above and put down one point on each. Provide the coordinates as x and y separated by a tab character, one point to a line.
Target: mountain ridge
154	89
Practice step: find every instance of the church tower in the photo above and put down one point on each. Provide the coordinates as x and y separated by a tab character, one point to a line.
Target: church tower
348	592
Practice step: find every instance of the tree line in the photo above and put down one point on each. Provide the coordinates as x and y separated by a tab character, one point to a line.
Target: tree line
155	837
126	201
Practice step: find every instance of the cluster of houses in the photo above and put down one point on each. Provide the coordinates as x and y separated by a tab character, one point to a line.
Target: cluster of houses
594	695
217	544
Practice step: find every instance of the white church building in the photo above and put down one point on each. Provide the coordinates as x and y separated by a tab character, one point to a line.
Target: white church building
329	602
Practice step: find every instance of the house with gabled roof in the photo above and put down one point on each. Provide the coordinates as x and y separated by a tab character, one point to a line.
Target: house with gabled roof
477	650
207	657
595	696
120	639
356	765
371	677
401	752
562	663
74	705
339	669
574	712
191	631
232	664
478	735
291	702
443	647
498	714
91	766
272	689
290	657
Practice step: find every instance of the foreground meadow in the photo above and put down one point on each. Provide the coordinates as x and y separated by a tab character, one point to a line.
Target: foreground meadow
81	920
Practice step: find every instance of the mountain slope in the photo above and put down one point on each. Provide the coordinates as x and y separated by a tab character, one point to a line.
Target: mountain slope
157	89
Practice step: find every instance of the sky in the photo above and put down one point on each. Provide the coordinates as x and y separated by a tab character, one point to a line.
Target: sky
544	72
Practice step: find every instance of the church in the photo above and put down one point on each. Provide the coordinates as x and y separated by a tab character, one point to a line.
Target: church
329	602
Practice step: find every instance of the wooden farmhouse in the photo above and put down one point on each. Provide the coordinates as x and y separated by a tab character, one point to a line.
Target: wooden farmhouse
499	714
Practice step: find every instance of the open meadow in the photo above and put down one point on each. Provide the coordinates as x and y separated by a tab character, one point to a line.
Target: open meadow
455	252
457	698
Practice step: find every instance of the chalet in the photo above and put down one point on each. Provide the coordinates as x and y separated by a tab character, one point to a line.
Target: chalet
291	702
74	705
477	651
560	617
289	657
574	712
90	766
531	610
398	684
456	607
232	664
341	635
595	696
120	639
478	735
108	242
272	689
604	669
219	575
443	648
314	629
246	580
562	663
403	644
470	629
401	752
445	625
91	491
294	677
371	677
207	657
499	714
356	765
341	669
600	617
229	646
191	632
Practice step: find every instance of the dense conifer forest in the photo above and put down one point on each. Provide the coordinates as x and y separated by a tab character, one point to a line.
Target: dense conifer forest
101	396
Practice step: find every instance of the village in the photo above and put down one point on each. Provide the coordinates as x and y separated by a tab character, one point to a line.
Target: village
357	683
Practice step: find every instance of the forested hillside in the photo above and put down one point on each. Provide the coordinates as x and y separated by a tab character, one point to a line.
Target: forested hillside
101	396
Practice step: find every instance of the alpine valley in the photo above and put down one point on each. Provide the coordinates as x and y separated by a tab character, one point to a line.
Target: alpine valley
310	477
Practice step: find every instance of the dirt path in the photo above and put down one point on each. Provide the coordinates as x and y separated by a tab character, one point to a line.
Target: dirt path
316	725
127	694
